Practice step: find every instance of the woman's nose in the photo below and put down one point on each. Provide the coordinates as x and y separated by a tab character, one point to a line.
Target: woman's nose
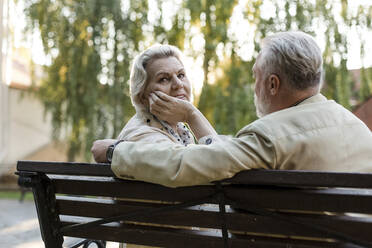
176	83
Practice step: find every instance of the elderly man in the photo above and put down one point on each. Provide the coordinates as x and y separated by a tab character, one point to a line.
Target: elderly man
298	129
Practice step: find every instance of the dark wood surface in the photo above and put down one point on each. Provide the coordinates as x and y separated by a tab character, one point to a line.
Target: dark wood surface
66	168
333	200
170	237
130	189
302	178
208	217
249	177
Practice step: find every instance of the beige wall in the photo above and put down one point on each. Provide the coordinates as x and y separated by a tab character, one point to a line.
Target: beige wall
4	120
29	130
4	116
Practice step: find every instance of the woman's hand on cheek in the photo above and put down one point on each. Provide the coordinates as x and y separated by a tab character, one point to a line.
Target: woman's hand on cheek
169	108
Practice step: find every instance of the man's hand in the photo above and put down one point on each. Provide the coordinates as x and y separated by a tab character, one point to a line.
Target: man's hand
99	149
170	109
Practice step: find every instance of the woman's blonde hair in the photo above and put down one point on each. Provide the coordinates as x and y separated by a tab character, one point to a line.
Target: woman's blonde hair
138	76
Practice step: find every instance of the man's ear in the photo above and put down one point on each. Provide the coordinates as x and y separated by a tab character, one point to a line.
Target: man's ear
274	84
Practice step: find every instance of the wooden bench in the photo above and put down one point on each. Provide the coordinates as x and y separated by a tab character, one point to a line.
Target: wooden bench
276	208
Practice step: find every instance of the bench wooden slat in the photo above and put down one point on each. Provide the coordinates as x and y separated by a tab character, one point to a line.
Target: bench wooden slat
64	168
203	217
252	177
168	237
129	189
152	236
302	178
333	200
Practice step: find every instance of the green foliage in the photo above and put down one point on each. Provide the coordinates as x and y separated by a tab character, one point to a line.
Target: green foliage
91	44
225	101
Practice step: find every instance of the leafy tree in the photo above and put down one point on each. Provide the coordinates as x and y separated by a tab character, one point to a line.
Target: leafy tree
91	44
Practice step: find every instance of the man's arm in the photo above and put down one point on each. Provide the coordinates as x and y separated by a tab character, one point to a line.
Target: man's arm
100	147
175	165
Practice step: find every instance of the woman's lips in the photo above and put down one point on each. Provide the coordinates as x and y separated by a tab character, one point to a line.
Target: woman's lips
181	96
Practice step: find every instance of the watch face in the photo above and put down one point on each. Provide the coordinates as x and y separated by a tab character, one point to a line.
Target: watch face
109	153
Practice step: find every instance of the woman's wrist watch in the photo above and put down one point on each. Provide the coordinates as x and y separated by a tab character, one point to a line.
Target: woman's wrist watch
110	150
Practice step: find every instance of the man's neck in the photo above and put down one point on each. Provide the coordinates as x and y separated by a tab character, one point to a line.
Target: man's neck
293	98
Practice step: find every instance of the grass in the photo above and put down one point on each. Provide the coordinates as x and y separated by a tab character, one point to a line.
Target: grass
15	195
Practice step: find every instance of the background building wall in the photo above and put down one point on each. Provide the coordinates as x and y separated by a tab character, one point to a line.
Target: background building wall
364	112
25	132
4	113
30	129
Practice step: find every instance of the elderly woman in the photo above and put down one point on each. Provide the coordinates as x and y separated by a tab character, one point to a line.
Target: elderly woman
160	93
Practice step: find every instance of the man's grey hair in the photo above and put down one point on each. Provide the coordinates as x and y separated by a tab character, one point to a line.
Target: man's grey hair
294	57
138	76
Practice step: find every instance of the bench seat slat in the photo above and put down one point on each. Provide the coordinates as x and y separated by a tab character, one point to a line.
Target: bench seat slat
251	223
64	168
130	189
251	177
168	237
332	200
302	178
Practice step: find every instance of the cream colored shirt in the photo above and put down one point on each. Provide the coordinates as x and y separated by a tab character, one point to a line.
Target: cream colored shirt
318	134
144	127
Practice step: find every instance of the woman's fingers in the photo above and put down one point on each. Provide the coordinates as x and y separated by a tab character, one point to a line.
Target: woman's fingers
157	106
168	108
163	96
157	101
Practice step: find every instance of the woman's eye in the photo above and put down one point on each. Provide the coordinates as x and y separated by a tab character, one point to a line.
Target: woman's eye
181	75
163	80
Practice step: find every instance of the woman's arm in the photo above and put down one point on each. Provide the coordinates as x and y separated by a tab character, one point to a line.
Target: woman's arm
174	110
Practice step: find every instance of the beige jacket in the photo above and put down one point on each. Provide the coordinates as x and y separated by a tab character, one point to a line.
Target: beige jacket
144	127
318	134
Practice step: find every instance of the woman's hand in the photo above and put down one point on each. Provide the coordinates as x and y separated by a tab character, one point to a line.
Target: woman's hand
170	109
175	110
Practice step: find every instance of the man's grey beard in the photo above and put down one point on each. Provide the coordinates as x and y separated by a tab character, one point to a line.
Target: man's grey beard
258	106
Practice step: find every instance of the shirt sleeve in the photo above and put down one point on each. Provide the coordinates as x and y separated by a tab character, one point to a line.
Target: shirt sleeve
175	165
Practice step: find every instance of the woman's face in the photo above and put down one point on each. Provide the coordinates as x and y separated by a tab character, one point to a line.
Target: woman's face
168	76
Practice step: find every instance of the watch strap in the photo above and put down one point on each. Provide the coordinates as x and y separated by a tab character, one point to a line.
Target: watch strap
110	150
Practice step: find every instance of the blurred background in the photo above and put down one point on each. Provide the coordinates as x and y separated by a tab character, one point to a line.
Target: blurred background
65	64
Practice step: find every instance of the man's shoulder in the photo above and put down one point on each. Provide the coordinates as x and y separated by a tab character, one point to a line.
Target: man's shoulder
301	118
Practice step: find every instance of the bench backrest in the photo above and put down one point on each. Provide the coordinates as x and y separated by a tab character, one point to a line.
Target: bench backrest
254	209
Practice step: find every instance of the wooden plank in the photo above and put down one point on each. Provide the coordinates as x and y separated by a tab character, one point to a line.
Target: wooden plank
153	236
66	168
207	217
302	178
332	200
250	177
129	189
170	237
